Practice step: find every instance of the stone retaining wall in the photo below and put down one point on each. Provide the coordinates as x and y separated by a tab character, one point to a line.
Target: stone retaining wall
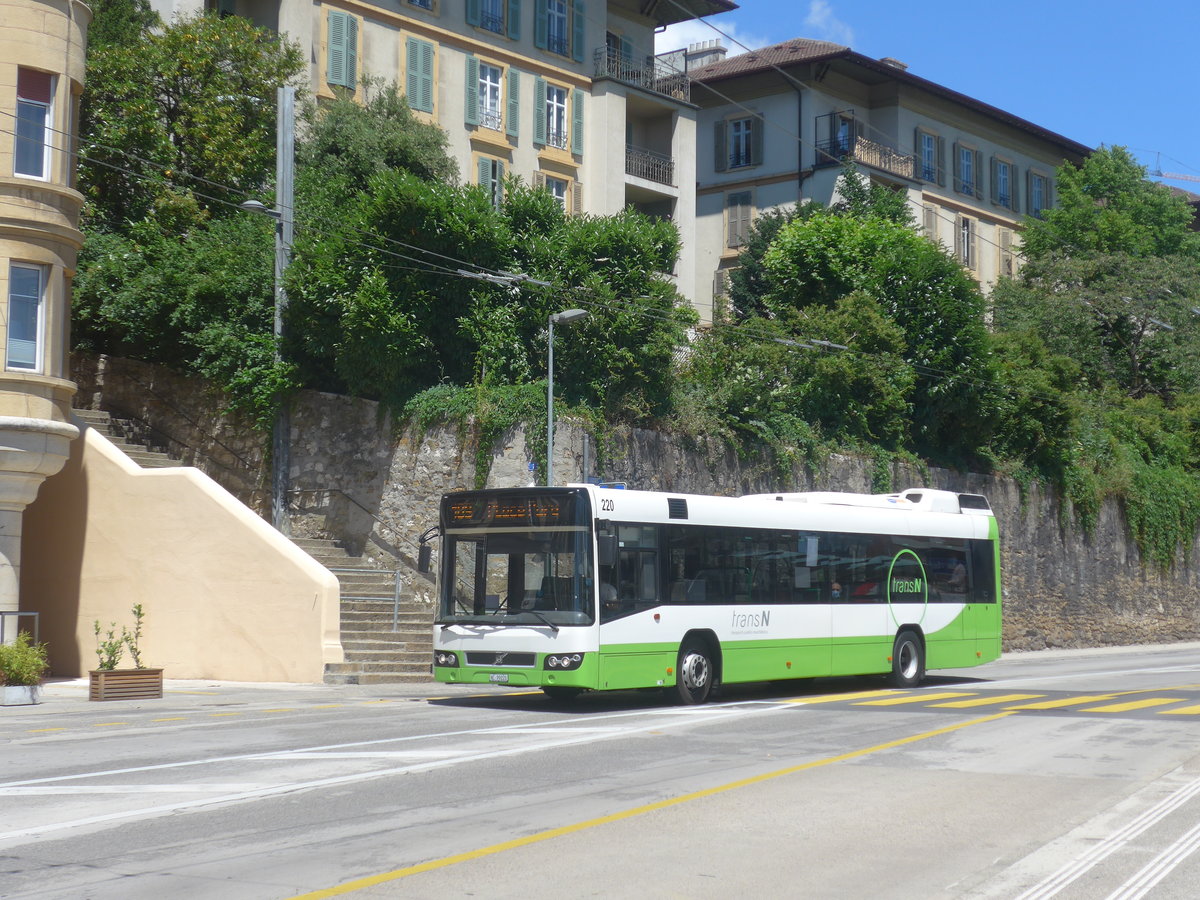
361	481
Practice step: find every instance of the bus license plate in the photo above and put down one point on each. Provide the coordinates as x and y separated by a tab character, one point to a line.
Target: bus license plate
498	679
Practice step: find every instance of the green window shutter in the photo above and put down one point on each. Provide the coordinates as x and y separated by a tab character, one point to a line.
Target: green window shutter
514	19
512	122
541	26
995	180
472	112
351	52
539	112
979	174
721	157
941	161
426	64
412	61
756	140
499	197
485	173
1014	188
474	12
578	22
918	155
335	70
957	168
577	121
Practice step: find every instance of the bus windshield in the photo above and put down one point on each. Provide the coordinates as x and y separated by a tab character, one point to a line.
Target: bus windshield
523	560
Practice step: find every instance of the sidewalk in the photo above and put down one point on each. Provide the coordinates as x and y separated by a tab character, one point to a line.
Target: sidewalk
64	696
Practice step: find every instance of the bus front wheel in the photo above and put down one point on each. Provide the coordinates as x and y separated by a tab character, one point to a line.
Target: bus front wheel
908	660
694	673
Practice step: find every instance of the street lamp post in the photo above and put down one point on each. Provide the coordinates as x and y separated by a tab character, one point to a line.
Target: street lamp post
563	318
282	214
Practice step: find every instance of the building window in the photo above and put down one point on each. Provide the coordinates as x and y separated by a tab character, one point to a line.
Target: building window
964	242
1008	261
738	143
491	15
491	179
739	216
489	97
558	40
1004	183
419	84
26	285
421	4
930	221
498	16
1039	194
558	189
966	170
931	154
342	67
32	151
556	117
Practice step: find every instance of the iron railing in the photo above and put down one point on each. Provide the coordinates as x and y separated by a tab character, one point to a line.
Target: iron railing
648	164
870	153
653	77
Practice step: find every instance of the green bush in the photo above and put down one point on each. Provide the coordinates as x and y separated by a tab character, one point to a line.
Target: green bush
22	662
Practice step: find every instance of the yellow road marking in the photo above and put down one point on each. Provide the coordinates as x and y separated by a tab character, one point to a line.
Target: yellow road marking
107	724
170	719
371	702
833	698
40	730
1182	711
984	701
1068	701
281	709
1133	704
328	706
218	715
385	877
915	698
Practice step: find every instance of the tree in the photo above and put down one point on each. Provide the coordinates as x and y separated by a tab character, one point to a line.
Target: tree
938	308
1106	206
181	124
118	23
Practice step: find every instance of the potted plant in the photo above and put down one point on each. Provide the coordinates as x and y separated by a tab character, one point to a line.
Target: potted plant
22	664
107	682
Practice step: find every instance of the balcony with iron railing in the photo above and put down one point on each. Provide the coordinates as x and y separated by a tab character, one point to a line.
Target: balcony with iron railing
650	165
655	77
870	153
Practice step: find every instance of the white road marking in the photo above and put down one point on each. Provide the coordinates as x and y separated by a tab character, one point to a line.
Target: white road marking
1101	851
1159	868
65	789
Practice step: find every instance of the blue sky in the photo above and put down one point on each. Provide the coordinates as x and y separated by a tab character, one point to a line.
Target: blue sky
1101	72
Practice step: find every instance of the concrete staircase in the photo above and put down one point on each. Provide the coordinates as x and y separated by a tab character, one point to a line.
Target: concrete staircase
127	435
375	654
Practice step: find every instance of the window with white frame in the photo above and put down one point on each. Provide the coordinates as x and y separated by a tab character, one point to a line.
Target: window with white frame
966	170
490	115
741	142
964	242
491	179
1039	193
491	15
558	189
556	117
26	286
35	92
1004	183
558	36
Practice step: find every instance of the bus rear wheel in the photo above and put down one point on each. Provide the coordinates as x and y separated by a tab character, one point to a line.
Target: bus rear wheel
908	660
694	673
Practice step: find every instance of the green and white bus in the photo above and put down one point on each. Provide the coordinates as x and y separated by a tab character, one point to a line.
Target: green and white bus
590	588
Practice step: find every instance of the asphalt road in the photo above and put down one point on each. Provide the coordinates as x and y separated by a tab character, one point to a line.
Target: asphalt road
1074	775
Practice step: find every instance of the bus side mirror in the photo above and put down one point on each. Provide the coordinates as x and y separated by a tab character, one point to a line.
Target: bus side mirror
606	549
424	555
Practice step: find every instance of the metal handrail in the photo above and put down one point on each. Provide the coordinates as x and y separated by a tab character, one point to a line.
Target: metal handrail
649	164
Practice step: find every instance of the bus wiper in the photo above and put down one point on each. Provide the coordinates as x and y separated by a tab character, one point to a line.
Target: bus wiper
549	624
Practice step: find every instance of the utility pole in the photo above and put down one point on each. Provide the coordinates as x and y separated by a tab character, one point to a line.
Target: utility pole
285	156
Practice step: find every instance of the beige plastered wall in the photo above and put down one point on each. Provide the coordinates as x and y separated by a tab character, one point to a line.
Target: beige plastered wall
225	596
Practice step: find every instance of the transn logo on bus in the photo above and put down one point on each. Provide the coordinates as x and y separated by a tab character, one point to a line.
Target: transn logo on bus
752	620
913	586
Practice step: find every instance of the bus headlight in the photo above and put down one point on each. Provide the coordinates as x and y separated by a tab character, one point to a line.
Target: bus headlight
564	662
445	659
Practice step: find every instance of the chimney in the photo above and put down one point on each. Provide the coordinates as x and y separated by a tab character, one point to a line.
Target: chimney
894	63
704	53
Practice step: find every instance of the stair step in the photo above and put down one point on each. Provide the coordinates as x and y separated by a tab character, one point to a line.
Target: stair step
348	668
380	678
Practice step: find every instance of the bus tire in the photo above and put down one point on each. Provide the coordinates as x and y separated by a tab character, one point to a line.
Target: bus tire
908	660
561	692
694	673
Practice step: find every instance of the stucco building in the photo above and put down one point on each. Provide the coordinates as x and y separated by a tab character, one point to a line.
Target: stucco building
41	77
566	94
775	124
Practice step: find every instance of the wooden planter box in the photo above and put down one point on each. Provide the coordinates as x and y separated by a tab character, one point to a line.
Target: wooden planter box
125	684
